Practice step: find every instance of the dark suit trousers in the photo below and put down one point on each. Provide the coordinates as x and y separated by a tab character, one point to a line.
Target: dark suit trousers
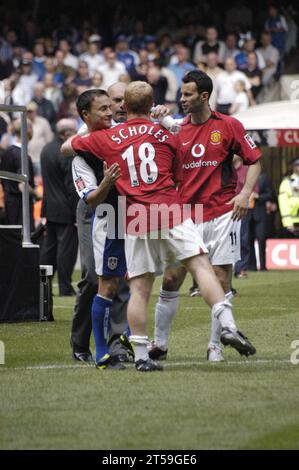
60	249
87	289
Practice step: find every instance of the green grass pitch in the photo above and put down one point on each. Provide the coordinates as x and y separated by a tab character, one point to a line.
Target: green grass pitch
239	404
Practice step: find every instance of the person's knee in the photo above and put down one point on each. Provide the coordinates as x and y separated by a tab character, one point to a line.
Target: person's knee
108	287
173	279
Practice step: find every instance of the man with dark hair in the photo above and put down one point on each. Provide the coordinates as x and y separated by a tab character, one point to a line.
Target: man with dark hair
147	154
207	142
88	173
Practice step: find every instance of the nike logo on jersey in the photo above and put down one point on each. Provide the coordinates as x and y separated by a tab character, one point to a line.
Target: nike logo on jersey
186	143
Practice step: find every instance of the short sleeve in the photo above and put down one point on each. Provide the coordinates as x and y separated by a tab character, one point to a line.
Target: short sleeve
242	143
84	177
92	143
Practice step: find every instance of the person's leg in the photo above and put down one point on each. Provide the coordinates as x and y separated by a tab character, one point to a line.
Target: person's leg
141	288
67	251
118	321
212	292
87	286
166	309
100	313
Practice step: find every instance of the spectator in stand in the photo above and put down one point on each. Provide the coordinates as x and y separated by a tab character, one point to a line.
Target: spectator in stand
112	70
271	57
45	107
254	74
171	91
70	60
52	92
213	70
63	73
191	37
139	71
241	101
93	57
210	44
158	83
82	77
231	46
50	67
138	40
225	82
28	78
42	134
277	26
292	33
38	65
49	47
69	94
241	59
166	48
97	80
16	92
123	53
183	66
152	48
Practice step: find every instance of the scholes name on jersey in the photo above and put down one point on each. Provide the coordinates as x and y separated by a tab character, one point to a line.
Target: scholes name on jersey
122	134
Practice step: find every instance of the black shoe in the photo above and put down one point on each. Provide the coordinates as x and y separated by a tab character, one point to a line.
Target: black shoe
147	366
108	362
157	353
237	340
122	358
124	340
82	356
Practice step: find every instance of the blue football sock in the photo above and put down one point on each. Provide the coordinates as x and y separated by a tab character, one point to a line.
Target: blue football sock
128	331
100	319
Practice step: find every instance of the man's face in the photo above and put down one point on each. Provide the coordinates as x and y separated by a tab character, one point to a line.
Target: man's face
191	100
100	114
116	95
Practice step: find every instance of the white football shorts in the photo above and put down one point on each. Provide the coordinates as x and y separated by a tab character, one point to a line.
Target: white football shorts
146	254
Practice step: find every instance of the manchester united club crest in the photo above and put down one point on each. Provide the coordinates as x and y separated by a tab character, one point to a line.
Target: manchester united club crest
112	262
215	137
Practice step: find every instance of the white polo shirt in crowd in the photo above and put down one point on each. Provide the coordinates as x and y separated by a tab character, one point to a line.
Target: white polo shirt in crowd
224	85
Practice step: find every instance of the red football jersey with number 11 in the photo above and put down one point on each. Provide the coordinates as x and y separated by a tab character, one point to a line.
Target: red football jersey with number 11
205	156
146	153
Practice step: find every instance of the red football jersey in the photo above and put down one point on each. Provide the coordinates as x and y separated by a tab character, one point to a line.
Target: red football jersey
145	153
205	156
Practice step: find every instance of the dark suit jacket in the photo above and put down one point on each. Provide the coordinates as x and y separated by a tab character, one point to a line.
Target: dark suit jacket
60	198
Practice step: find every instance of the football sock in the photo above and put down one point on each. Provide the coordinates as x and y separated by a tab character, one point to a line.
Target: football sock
128	331
140	344
166	309
100	320
216	329
223	312
229	296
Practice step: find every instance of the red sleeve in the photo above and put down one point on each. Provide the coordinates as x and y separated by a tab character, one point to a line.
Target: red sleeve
242	143
92	143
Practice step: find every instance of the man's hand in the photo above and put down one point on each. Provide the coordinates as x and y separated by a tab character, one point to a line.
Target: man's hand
159	112
240	203
111	174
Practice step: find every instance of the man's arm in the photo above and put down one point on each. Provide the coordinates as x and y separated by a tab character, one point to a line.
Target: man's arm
241	201
66	148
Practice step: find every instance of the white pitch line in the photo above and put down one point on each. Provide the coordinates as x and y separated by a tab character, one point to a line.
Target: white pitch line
166	365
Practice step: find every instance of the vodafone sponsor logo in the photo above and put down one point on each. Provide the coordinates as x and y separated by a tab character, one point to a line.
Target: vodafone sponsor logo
282	254
198	151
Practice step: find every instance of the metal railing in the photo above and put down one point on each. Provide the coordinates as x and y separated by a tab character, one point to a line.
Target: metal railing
24	176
